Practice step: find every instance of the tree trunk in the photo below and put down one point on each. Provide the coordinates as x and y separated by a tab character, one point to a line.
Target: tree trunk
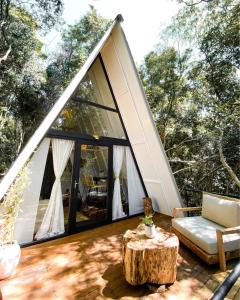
227	167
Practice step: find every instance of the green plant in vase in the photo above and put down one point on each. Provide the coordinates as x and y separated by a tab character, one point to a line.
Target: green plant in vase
149	226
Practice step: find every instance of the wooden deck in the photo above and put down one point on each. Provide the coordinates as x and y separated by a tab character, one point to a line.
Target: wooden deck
88	265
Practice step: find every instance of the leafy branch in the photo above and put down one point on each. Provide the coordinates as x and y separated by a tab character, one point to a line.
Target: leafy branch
11	205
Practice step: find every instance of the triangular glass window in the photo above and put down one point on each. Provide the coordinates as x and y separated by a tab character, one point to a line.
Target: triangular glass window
92	109
95	88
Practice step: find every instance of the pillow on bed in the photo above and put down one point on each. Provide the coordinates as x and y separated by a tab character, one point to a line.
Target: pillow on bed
221	210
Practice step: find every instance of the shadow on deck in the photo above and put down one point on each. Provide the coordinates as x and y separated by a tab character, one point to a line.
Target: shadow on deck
88	265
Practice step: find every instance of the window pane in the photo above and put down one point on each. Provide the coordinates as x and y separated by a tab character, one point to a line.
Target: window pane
123	186
93	179
82	118
94	87
86	119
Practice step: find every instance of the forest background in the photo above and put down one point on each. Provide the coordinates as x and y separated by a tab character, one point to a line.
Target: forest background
191	80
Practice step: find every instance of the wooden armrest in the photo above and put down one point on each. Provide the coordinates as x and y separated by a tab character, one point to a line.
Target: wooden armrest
229	230
179	209
220	244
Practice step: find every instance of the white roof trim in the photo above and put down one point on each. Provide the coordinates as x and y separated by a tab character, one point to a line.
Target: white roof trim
52	115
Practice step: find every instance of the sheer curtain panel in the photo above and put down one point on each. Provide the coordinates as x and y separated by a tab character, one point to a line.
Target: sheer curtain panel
53	220
117	208
25	222
135	189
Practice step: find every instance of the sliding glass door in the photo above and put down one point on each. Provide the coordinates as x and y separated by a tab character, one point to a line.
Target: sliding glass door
76	188
91	183
105	187
76	184
91	186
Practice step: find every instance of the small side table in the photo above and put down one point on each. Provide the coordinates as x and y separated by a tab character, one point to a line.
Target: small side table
148	260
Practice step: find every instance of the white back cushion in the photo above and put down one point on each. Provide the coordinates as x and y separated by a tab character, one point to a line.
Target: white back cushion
221	210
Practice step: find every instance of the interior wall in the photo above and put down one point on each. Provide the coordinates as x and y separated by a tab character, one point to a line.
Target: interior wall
25	223
137	118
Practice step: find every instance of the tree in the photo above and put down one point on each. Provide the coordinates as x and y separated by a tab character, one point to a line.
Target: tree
46	14
165	77
166	88
78	41
21	70
219	43
206	156
28	90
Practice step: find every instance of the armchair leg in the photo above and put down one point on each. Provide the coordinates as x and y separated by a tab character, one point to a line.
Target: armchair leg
221	253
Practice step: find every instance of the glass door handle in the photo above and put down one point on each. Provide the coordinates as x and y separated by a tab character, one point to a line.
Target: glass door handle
75	184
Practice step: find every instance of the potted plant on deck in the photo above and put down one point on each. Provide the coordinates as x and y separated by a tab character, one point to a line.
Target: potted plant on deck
149	226
9	248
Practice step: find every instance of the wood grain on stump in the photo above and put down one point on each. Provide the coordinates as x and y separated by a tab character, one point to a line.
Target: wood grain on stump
149	260
148	209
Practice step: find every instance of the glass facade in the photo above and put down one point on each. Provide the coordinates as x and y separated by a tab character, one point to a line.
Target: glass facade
81	114
81	177
95	88
86	119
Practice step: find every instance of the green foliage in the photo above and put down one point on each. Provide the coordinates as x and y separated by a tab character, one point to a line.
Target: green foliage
10	205
147	220
194	95
22	73
11	137
27	89
167	90
78	42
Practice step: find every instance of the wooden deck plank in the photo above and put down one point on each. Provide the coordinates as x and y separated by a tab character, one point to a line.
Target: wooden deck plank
234	291
237	295
88	265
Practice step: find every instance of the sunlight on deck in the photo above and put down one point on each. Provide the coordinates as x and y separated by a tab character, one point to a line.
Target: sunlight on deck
88	265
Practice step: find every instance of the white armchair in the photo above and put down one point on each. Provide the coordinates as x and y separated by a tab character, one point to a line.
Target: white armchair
215	235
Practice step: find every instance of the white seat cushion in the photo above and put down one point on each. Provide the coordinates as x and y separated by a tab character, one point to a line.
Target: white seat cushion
202	233
221	210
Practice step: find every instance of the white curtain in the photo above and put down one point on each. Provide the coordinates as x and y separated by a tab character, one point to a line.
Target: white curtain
135	189
117	209
25	222
53	220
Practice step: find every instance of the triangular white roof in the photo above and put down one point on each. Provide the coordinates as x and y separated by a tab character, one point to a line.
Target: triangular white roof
136	115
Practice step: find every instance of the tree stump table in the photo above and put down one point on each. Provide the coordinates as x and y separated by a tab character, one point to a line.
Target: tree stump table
148	260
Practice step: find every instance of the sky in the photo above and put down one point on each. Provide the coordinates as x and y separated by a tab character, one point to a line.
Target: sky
143	20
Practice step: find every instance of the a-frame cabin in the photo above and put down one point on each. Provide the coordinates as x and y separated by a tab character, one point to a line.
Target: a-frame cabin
96	154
